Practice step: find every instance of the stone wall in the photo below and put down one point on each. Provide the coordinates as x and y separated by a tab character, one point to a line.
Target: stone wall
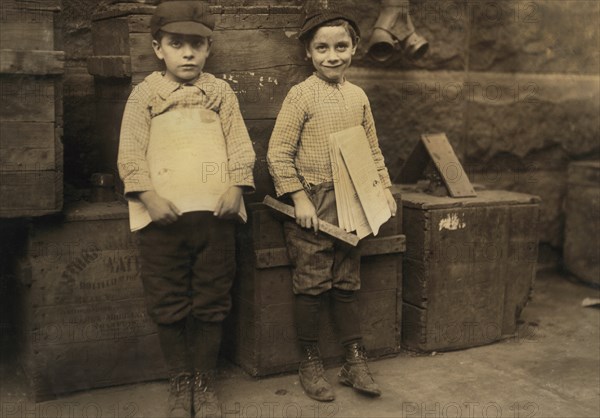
514	85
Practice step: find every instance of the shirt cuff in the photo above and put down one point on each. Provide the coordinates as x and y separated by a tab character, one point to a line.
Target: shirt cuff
136	185
243	178
288	186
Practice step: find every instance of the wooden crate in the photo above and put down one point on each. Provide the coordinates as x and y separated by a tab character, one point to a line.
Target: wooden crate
31	68
83	319
582	226
469	267
254	49
260	333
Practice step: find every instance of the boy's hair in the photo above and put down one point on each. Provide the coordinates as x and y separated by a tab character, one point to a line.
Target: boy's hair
159	35
308	37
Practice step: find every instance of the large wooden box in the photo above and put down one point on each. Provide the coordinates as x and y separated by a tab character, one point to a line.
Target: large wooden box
469	267
83	319
261	335
254	49
31	68
582	225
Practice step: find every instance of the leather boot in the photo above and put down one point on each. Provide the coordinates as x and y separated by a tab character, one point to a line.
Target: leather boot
180	396
205	401
312	375
356	373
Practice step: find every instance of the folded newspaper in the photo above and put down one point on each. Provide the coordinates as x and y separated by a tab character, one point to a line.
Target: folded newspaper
187	159
359	193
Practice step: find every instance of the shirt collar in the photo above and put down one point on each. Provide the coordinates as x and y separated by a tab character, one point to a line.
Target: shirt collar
165	87
329	83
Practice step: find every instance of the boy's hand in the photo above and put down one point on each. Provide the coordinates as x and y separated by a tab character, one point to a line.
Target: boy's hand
161	210
229	203
391	201
306	214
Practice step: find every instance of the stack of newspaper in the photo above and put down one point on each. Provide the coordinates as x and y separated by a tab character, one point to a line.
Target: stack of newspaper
359	194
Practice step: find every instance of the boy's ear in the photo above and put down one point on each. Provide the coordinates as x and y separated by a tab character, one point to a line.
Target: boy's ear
157	49
308	54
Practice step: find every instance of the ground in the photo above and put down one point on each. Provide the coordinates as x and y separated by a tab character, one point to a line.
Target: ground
550	369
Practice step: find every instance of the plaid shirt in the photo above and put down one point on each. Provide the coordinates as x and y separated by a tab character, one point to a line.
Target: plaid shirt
299	145
157	95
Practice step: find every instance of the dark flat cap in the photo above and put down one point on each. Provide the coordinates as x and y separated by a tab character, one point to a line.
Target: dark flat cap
184	17
317	17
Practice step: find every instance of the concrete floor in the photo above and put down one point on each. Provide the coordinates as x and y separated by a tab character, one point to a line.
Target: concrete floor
550	369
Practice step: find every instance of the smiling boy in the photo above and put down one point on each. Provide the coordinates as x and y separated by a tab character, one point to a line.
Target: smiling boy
190	119
301	168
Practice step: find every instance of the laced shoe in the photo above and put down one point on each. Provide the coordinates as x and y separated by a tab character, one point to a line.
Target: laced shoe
205	401
180	396
355	372
312	375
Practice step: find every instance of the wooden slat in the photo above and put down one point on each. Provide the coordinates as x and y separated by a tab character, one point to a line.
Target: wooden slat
32	5
324	226
32	62
111	37
522	254
448	166
110	66
27	99
27	30
30	193
140	23
384	245
121	10
262	92
27	146
57	369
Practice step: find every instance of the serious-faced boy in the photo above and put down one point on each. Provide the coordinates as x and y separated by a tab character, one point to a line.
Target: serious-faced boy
300	165
187	250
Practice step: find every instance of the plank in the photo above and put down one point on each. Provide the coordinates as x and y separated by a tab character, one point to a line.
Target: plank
448	166
27	146
111	37
267	229
324	226
30	193
109	66
58	369
32	62
27	98
27	30
521	266
261	93
418	200
32	5
233	19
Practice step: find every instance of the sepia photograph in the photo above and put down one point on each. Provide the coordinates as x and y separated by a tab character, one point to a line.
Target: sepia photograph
299	208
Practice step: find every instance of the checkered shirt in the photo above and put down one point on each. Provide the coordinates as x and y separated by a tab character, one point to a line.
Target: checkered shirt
157	95
299	145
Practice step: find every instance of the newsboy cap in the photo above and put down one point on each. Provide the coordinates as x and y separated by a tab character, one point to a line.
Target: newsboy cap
183	17
317	17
